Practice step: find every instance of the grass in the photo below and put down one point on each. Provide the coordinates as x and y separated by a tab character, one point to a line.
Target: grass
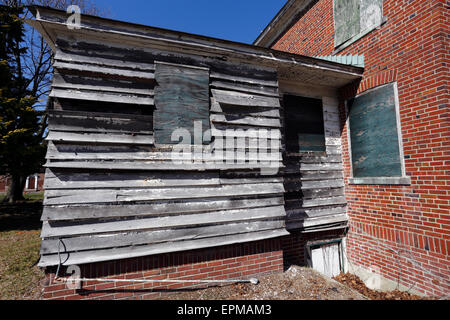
19	248
35	196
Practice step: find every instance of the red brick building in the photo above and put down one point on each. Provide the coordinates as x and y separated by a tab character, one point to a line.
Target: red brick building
399	227
379	159
34	183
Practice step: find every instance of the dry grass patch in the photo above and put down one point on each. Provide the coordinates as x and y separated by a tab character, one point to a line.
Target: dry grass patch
19	249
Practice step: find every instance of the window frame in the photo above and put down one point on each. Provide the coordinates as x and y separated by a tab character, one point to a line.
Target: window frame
403	179
305	152
338	48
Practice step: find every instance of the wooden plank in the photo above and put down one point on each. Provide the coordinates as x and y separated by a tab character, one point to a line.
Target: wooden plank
99	122
102	62
332	133
181	99
241	157
65	151
55	179
316	192
312	194
160	165
221	130
108	71
302	213
93	242
247	80
53	197
94	180
314	175
230	110
246	120
299	225
155	208
334	150
323	220
116	152
323	184
245	88
101	96
77	82
324	202
86	106
243	99
64	229
83	257
113	138
302	158
321	167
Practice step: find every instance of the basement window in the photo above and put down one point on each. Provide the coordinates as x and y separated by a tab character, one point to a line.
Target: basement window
304	124
353	19
375	137
325	257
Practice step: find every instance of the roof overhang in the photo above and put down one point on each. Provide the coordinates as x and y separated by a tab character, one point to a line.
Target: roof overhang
53	24
284	19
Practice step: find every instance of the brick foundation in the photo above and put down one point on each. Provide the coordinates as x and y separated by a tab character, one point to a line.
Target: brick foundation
240	261
294	245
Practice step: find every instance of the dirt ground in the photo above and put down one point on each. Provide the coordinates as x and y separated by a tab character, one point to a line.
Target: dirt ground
297	283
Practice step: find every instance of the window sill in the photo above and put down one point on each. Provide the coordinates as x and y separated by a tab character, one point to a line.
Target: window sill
402	181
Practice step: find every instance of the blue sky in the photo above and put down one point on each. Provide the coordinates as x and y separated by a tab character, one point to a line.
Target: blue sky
236	20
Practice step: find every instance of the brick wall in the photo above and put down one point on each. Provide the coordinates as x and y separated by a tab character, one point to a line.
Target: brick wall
5	181
403	230
240	261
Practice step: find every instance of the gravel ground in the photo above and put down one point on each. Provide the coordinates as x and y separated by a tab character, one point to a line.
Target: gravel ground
297	283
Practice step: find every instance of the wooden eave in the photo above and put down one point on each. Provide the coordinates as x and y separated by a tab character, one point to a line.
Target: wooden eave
52	23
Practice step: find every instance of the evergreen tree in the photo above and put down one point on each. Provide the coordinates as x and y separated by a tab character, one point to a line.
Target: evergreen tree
21	145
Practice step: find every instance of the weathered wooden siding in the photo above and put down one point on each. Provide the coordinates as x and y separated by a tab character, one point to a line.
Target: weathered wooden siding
112	189
111	193
314	181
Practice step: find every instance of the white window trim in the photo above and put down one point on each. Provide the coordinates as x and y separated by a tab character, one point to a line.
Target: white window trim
403	180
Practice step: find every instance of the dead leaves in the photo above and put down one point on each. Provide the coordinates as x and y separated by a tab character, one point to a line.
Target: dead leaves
356	283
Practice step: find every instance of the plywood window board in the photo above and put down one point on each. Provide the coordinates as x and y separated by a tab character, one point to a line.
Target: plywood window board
353	19
181	102
375	138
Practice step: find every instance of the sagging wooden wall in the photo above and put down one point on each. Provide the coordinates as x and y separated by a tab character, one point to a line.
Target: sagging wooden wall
112	194
314	181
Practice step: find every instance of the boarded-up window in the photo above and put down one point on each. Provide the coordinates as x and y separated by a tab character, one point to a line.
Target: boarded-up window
304	124
374	134
355	17
182	102
346	20
371	14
